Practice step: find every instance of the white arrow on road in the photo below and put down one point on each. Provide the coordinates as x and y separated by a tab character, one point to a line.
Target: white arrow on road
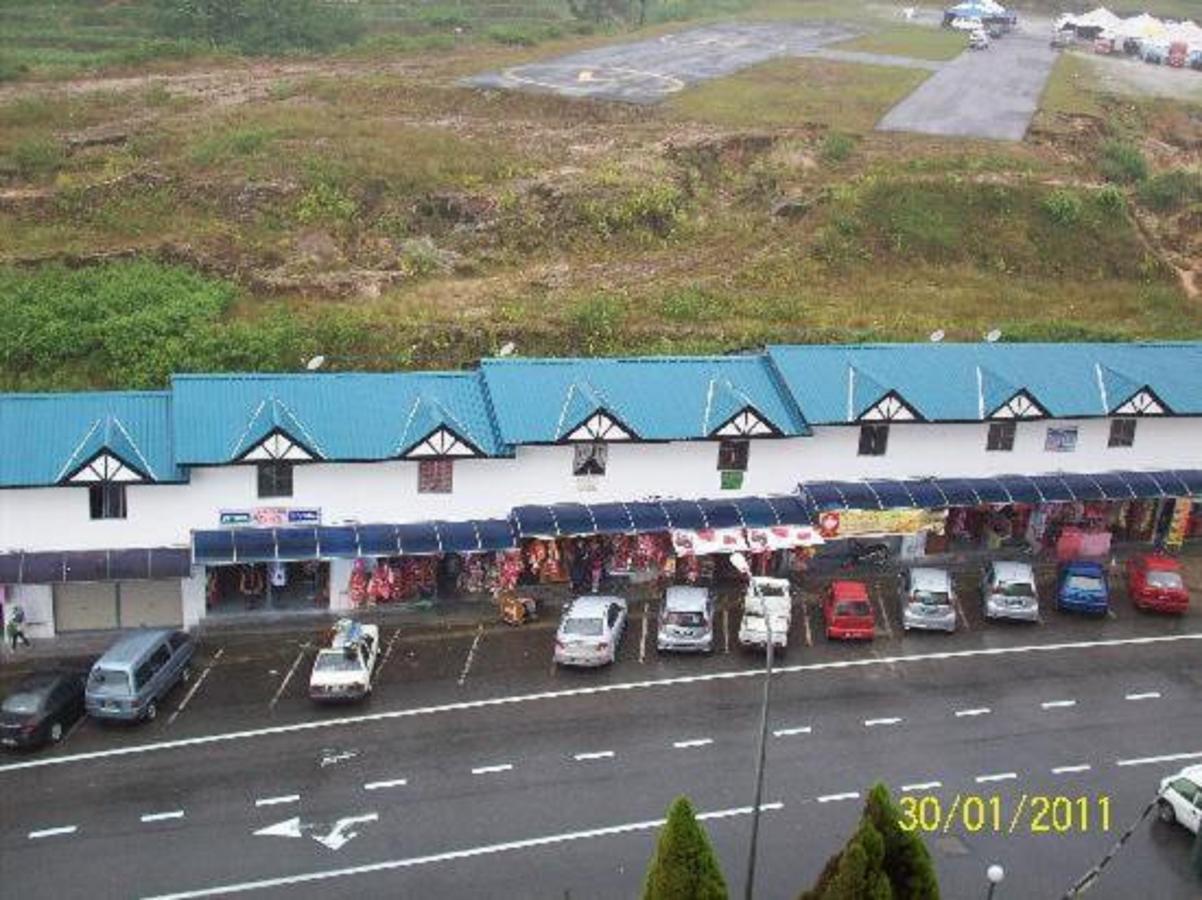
290	828
336	838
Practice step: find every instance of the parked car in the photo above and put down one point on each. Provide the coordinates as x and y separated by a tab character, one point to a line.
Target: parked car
1010	592
848	612
1061	40
1083	588
590	630
1194	60
927	600
1154	582
768	603
1178	54
1181	798
41	709
686	620
978	40
135	673
344	670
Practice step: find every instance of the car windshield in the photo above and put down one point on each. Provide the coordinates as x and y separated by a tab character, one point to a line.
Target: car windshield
853	608
583	627
931	598
21	704
113	679
336	661
1084	583
1017	589
1168	581
691	619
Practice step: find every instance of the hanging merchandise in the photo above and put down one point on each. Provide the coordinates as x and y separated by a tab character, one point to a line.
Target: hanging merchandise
251	581
379	588
358	586
508	571
708	540
277	574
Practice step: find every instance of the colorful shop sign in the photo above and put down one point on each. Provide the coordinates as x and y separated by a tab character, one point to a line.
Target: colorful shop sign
270	516
854	522
1179	524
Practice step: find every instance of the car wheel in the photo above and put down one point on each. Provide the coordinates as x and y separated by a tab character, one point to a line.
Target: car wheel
152	710
1164	812
56	732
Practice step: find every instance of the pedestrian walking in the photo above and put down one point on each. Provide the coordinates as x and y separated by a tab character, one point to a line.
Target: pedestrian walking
16	627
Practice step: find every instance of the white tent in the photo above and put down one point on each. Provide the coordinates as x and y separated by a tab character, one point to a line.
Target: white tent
1100	18
1187	33
1141	26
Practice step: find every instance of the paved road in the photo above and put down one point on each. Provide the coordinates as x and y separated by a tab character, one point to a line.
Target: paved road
987	94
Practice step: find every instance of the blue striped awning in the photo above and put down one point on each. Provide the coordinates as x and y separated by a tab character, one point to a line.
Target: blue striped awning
573	519
49	567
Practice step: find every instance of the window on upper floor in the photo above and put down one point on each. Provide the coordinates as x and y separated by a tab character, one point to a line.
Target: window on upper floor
435	476
589	458
107	500
1122	433
733	455
1001	436
874	440
275	479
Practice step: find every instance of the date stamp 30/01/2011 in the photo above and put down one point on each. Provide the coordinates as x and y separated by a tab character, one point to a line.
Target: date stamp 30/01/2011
993	813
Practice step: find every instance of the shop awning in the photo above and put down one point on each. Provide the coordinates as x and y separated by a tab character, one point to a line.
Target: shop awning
934	493
250	545
572	519
95	565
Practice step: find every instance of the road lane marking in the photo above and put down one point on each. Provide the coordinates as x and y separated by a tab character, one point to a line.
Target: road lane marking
998	776
163	816
873	723
388	651
276	801
492	770
643	639
1068	770
1147	695
978	711
646	684
832	798
284	684
1058	704
921	786
696	742
380	785
789	732
52	832
195	686
599	754
471	654
452	855
1152	760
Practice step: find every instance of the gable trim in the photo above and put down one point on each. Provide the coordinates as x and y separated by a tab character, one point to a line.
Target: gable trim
599	425
104	467
891	407
1143	402
278	446
441	443
1021	405
747	422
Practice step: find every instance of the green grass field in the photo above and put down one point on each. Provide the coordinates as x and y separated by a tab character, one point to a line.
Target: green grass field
915	41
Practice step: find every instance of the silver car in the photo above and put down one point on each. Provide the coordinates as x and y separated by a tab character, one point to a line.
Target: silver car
590	630
927	600
686	620
1010	592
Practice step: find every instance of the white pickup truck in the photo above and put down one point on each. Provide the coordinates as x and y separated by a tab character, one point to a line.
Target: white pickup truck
343	671
768	597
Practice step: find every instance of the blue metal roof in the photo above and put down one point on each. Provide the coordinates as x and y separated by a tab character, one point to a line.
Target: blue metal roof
659	398
48	436
356	416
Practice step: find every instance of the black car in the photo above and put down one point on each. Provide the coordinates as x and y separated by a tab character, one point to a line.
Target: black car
42	708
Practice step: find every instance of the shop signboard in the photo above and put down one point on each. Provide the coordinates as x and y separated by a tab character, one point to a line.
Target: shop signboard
732	480
1061	440
857	522
708	540
269	517
782	537
1179	523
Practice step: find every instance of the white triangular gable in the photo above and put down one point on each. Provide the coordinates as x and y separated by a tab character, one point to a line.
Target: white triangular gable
1021	406
745	423
277	446
1142	403
890	408
105	468
441	443
600	426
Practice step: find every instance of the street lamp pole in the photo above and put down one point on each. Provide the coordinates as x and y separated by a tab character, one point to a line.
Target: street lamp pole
995	874
759	768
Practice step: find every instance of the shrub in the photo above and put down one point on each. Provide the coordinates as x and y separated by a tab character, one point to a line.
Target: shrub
596	320
1122	162
1110	200
443	17
34	157
691	304
655	208
684	866
512	35
1171	190
836	147
1063	207
325	201
260	26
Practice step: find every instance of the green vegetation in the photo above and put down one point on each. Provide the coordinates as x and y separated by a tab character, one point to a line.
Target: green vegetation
259	27
1122	162
915	41
1170	191
684	866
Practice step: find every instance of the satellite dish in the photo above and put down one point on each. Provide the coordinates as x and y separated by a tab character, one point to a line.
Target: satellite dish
507	349
994	336
315	363
937	336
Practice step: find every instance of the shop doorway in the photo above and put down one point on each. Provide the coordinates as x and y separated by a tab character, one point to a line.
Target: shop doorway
268	587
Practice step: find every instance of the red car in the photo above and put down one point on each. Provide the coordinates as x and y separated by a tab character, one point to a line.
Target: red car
848	612
1154	582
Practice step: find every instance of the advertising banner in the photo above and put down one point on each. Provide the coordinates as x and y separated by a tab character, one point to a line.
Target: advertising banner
856	522
269	517
783	537
708	540
1179	523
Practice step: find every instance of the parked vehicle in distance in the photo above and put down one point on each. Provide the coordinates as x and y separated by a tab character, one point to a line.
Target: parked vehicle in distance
1178	54
1181	798
1194	60
767	603
344	670
926	600
1061	40
41	709
590	630
1083	588
134	674
1010	592
848	612
978	40
686	620
1154	583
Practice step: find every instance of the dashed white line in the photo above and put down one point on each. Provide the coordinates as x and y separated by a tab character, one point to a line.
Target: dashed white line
471	655
979	711
163	816
831	798
921	786
600	754
276	801
195	687
873	723
1152	760
998	776
1068	770
1146	695
380	785
492	770
288	677
696	742
52	832
1058	704
789	732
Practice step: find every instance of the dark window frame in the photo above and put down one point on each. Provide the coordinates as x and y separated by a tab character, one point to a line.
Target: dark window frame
874	439
107	500
1122	432
1001	436
734	454
590	453
436	476
275	478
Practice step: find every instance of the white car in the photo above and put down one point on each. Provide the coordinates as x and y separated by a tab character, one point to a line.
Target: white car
590	630
1181	798
768	601
343	671
978	40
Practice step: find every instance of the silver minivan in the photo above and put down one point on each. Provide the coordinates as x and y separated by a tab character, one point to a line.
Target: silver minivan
131	678
1009	591
686	620
927	600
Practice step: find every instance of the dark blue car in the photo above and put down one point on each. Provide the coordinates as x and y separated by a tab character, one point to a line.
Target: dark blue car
1083	588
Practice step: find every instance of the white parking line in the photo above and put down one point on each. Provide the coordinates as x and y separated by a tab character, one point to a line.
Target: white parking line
978	711
471	654
492	770
600	754
598	689
725	630
1152	760
696	742
805	617
388	650
163	816
288	677
1068	770
999	776
960	613
380	785
1147	695
876	592
643	639
873	723
1058	704
789	732
921	786
195	687
831	798
276	801
52	832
